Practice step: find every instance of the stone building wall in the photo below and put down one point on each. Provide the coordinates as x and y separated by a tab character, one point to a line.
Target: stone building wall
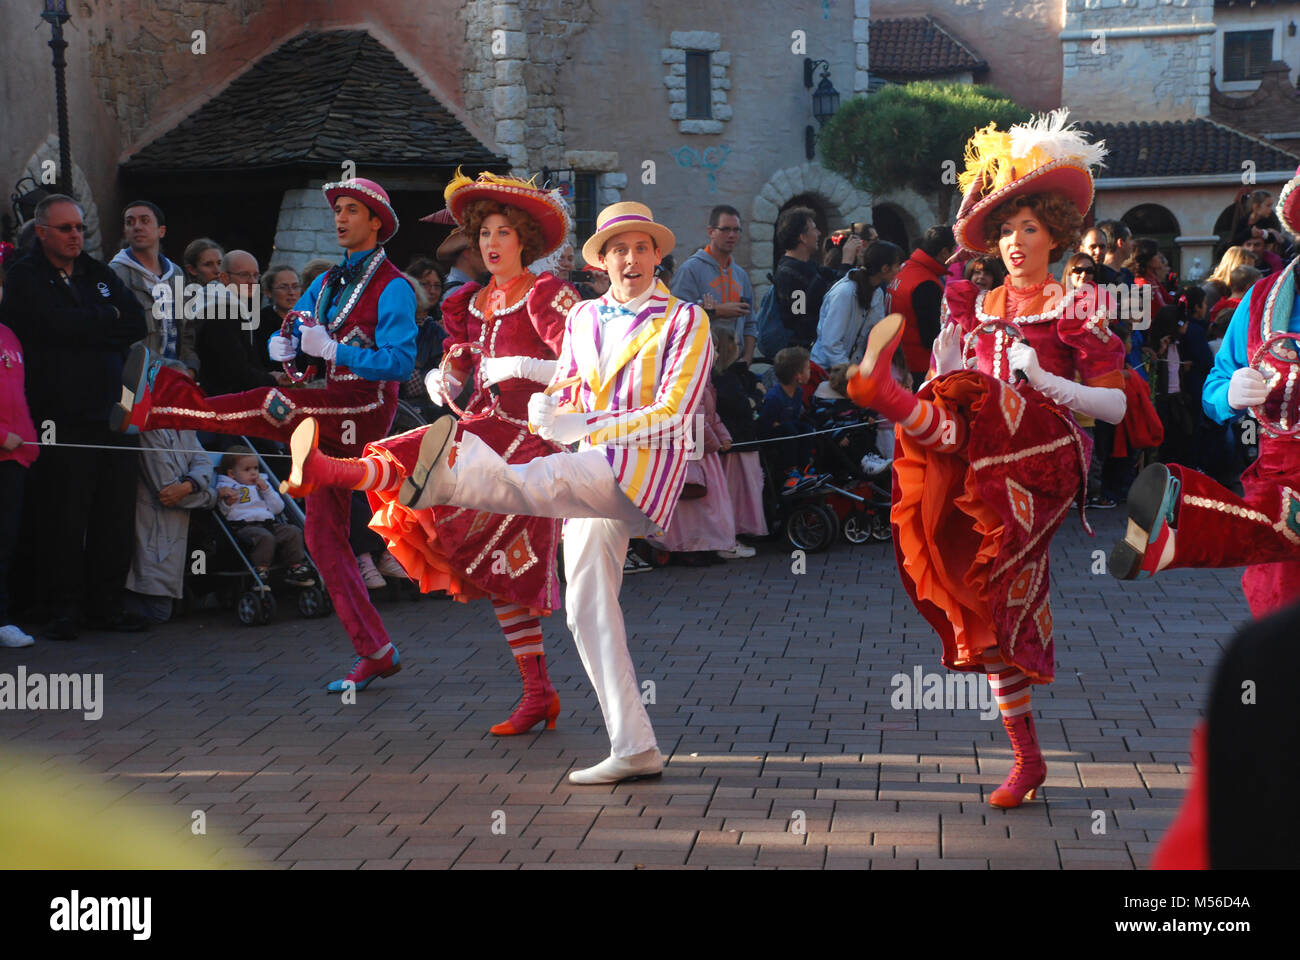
1137	59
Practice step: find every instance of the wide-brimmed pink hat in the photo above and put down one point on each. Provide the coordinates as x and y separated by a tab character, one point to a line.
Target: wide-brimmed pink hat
373	196
546	207
1288	205
1045	155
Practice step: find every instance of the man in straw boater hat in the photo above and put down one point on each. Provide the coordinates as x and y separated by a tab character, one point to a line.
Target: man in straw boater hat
631	372
1182	518
359	318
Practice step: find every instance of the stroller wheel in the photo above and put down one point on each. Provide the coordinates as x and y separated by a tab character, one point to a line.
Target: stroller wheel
268	609
811	527
249	608
311	602
857	527
880	528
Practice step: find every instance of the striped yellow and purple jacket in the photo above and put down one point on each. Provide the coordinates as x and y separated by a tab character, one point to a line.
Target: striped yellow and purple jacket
641	414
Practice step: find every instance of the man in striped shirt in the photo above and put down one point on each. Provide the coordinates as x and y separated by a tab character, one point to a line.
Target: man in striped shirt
631	372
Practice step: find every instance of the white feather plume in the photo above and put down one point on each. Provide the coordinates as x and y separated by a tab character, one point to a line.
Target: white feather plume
1057	138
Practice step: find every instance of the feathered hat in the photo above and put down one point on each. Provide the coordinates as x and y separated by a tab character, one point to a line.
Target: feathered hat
1288	205
1045	155
545	206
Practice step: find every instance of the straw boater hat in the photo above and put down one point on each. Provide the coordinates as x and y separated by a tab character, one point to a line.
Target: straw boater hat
373	196
1288	205
1045	155
620	218
545	206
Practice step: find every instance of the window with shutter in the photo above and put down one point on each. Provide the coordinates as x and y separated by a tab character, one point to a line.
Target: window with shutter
1246	53
699	88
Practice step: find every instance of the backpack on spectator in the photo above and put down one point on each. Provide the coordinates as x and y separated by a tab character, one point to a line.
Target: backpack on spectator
772	334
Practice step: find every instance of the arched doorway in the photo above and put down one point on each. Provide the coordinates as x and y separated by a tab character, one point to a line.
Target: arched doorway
836	203
888	221
1157	222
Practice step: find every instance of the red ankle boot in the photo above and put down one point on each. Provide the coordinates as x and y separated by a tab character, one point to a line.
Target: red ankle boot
872	383
312	469
1029	771
540	701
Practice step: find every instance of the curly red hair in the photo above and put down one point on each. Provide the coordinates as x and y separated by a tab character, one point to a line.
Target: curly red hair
1061	218
531	243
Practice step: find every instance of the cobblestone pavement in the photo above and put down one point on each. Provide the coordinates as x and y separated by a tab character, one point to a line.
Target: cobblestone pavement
771	701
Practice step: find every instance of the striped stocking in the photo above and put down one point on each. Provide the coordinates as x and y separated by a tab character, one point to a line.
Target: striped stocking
931	426
523	631
379	474
1011	688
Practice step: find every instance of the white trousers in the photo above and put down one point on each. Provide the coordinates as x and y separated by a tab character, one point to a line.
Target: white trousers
599	521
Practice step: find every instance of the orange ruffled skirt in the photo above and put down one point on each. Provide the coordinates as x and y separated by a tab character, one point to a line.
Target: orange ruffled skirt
469	553
972	530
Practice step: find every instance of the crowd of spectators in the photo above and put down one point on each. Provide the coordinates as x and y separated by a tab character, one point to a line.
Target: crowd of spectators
100	519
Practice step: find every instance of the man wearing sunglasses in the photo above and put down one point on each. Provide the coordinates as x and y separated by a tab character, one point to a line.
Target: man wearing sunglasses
75	320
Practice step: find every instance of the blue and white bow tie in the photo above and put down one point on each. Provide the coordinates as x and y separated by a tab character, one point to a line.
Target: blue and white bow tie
607	313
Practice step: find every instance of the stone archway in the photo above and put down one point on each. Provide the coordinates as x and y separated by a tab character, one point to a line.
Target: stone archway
841	198
49	151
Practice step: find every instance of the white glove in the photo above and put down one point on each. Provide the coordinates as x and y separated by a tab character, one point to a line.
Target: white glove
1247	388
1102	403
316	340
495	369
947	349
566	428
541	412
441	386
282	348
1021	356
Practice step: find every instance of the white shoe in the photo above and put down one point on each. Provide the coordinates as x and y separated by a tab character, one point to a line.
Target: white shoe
374	580
614	769
739	551
389	567
634	563
13	637
431	483
874	463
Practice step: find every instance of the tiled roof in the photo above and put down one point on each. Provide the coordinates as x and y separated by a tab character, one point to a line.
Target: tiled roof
1182	148
320	98
917	47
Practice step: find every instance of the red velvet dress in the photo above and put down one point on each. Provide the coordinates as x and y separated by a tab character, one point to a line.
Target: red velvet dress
469	553
972	528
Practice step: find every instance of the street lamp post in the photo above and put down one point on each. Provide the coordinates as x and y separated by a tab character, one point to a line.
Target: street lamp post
826	100
56	15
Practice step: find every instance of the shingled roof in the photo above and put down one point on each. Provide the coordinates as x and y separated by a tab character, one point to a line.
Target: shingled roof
1182	148
318	99
918	47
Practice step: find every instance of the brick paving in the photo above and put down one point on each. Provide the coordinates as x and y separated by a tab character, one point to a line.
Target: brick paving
771	701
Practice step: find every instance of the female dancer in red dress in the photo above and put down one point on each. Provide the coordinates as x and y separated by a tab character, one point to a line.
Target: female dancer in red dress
986	467
516	325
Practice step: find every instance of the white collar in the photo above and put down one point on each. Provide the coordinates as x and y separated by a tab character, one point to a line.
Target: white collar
636	303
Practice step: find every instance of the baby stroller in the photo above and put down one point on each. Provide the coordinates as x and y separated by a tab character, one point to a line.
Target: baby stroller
845	498
233	578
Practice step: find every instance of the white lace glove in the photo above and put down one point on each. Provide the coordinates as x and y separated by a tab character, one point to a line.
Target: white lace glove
1247	388
441	386
947	349
1102	403
282	348
495	369
316	340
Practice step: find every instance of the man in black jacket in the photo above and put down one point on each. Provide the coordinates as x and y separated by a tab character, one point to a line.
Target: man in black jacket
76	321
800	281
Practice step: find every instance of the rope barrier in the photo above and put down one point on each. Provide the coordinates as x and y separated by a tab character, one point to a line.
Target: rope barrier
103	446
284	456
